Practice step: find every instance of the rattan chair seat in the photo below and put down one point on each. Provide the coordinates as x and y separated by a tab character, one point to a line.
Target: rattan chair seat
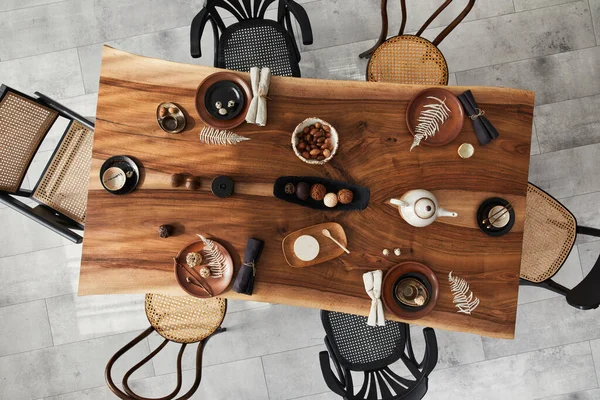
184	319
549	234
23	125
64	184
408	59
261	43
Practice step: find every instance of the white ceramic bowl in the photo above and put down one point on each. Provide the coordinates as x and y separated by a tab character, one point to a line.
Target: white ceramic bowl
308	122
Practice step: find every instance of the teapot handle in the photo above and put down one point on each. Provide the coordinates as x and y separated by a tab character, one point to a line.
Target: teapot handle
445	213
399	203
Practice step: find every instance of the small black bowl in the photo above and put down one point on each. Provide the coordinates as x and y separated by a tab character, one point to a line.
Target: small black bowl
483	213
129	169
223	91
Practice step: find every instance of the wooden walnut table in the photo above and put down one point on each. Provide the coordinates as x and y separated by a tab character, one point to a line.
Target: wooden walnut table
122	252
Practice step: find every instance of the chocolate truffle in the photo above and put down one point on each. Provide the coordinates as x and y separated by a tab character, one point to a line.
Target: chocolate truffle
330	200
302	190
318	191
290	188
345	196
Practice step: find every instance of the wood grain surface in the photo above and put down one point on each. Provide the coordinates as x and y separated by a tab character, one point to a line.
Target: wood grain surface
122	252
328	250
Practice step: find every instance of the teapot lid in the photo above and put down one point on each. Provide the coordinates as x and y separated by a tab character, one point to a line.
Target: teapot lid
425	208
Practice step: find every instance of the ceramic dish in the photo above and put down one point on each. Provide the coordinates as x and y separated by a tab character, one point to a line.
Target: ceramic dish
450	129
328	250
223	87
170	122
414	270
215	285
487	209
306	123
360	201
119	175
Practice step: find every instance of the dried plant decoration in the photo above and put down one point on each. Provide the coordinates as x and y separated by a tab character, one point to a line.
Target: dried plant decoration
464	299
432	117
216	260
214	136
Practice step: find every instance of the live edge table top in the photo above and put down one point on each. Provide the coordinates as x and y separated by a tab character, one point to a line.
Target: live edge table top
122	252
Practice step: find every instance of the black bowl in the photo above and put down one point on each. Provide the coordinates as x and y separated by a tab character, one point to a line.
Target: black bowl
129	167
483	212
224	91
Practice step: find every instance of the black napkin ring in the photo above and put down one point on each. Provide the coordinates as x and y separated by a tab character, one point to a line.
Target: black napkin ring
480	112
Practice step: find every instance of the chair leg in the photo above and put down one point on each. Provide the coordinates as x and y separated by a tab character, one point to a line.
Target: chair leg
584	230
548	284
382	35
219	330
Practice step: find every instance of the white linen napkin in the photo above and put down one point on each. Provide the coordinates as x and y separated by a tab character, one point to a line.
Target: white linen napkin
372	281
257	112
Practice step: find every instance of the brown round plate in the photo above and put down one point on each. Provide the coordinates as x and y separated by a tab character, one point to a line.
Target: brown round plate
451	127
215	285
389	282
204	114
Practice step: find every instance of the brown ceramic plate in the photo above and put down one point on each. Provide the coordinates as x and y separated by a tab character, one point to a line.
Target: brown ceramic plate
207	84
389	283
451	127
215	285
328	250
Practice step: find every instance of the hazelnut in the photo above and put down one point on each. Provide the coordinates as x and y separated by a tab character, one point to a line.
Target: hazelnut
162	112
173	110
191	183
330	200
318	191
176	180
289	188
164	231
301	146
345	196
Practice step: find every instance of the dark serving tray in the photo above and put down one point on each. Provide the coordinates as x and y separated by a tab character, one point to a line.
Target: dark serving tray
360	201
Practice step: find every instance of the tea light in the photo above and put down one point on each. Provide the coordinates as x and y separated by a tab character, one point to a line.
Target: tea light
466	150
306	248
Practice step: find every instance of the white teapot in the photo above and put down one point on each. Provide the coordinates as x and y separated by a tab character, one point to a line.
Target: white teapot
420	208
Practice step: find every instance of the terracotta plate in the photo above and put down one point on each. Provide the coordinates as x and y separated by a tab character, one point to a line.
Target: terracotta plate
451	127
216	285
328	250
389	286
216	84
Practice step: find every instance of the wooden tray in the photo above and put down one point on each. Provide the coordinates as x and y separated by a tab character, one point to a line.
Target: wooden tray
328	249
215	285
450	129
359	202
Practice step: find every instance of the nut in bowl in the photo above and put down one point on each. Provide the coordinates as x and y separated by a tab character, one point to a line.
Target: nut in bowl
315	141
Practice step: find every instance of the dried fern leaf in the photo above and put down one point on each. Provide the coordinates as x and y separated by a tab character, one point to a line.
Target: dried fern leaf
214	136
216	260
464	299
431	119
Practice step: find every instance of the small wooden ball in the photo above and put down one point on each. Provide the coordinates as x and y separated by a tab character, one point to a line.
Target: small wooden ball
162	112
172	110
177	180
330	200
318	191
191	183
345	196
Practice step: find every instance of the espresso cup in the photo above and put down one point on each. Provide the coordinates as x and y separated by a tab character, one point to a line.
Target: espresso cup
114	179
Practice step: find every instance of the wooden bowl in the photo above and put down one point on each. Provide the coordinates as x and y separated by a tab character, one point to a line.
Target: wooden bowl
308	122
451	127
202	109
216	285
389	285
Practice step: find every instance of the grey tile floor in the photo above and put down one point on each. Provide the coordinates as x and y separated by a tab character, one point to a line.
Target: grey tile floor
54	345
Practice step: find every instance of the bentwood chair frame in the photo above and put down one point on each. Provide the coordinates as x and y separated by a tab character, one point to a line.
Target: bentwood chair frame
61	191
438	39
183	320
548	238
353	346
251	19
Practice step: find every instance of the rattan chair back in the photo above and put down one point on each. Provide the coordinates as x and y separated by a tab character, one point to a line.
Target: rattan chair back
548	236
410	59
23	125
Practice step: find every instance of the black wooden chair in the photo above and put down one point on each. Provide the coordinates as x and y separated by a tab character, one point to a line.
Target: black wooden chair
253	40
548	237
354	346
184	320
61	191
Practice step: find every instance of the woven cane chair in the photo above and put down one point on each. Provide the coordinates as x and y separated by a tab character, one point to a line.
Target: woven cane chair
183	320
61	191
549	236
354	346
410	59
253	40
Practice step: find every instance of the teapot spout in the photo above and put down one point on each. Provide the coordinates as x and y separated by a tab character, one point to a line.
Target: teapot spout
399	203
445	213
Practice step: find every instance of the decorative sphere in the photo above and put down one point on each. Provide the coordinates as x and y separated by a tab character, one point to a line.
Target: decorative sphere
318	191
330	200
345	196
302	190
